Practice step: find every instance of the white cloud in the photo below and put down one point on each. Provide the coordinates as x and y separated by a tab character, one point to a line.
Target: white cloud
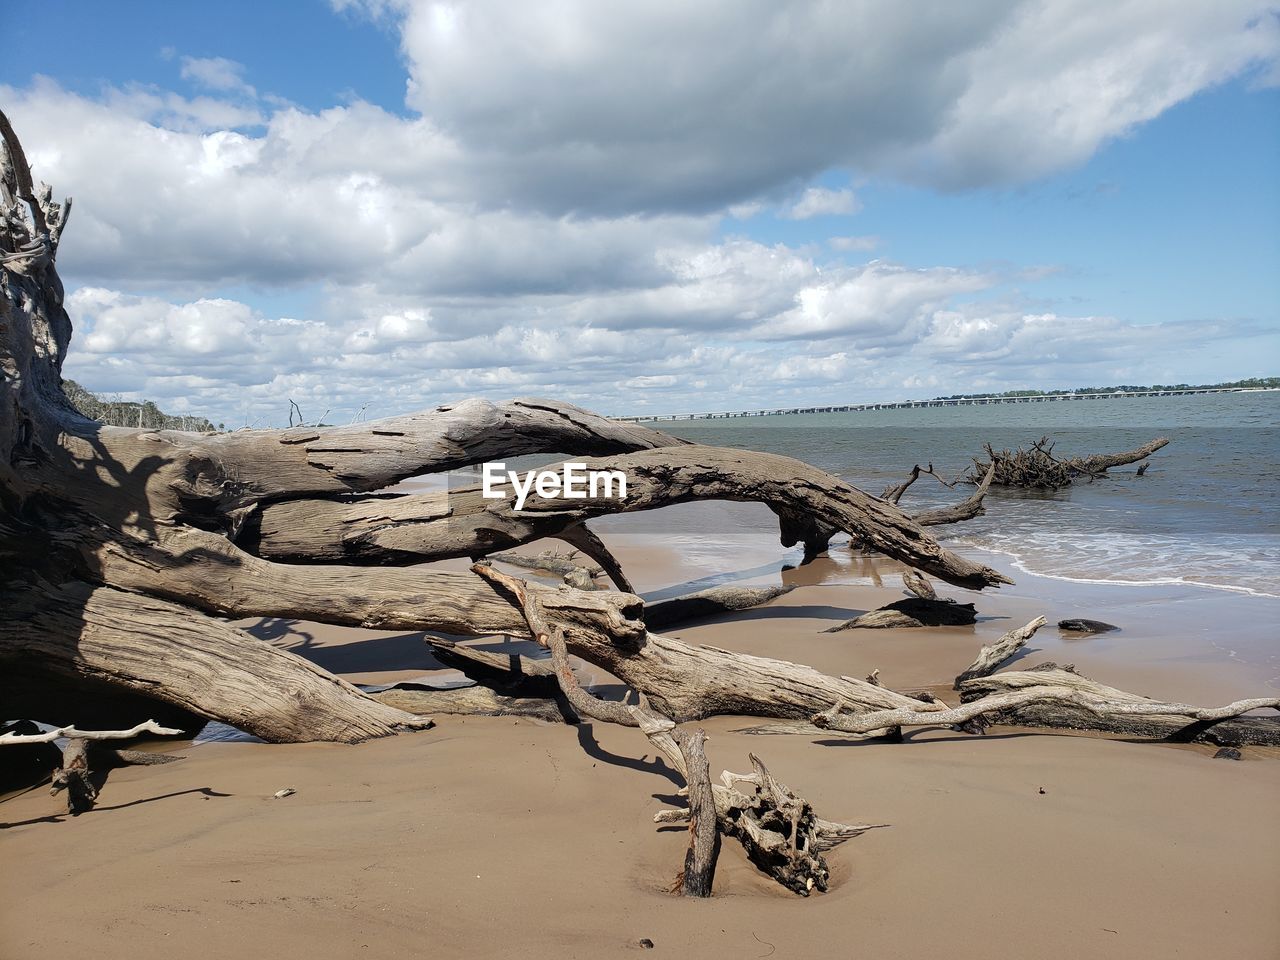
877	305
217	73
731	99
823	202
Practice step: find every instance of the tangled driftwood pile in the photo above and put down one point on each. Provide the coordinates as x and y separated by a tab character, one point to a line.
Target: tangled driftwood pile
1035	467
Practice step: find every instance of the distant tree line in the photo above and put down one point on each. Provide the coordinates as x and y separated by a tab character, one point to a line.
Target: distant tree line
115	412
1254	382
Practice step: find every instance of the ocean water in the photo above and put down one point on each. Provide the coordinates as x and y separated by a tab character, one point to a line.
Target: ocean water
1207	511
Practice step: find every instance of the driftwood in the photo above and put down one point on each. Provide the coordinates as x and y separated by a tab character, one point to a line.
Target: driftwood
911	612
1036	466
918	585
480	700
1068	704
1083	704
1102	462
74	777
124	552
711	602
74	774
464	523
698	875
558	563
48	736
894	493
1058	697
966	509
993	655
777	829
1080	625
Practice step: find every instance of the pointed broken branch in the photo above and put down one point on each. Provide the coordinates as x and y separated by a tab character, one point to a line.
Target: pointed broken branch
990	657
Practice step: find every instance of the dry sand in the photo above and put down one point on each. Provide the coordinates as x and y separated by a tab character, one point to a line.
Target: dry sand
510	838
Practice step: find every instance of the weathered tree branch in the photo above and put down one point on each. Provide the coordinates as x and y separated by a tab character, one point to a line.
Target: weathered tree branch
712	602
991	656
966	509
894	493
149	726
911	612
464	523
1132	715
1050	693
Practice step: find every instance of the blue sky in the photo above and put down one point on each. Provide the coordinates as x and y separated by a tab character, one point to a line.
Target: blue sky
387	204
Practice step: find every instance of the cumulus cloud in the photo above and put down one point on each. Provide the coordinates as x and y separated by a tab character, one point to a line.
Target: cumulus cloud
878	305
730	99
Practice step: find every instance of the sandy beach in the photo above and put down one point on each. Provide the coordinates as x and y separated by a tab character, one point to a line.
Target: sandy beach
511	837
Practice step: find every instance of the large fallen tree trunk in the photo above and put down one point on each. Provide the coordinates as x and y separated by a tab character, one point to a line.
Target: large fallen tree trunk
465	523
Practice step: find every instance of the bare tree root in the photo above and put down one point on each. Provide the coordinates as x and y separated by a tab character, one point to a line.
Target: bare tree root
1037	468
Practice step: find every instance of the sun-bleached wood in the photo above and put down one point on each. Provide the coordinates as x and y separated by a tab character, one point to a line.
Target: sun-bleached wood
1122	713
1052	692
464	523
991	656
147	726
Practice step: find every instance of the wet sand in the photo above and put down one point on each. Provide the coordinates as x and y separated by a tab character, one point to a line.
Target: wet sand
492	837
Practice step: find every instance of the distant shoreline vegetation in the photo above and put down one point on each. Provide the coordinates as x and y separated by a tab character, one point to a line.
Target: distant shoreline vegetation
132	413
1256	383
966	399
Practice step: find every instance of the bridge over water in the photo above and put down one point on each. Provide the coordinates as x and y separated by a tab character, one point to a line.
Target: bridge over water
957	402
